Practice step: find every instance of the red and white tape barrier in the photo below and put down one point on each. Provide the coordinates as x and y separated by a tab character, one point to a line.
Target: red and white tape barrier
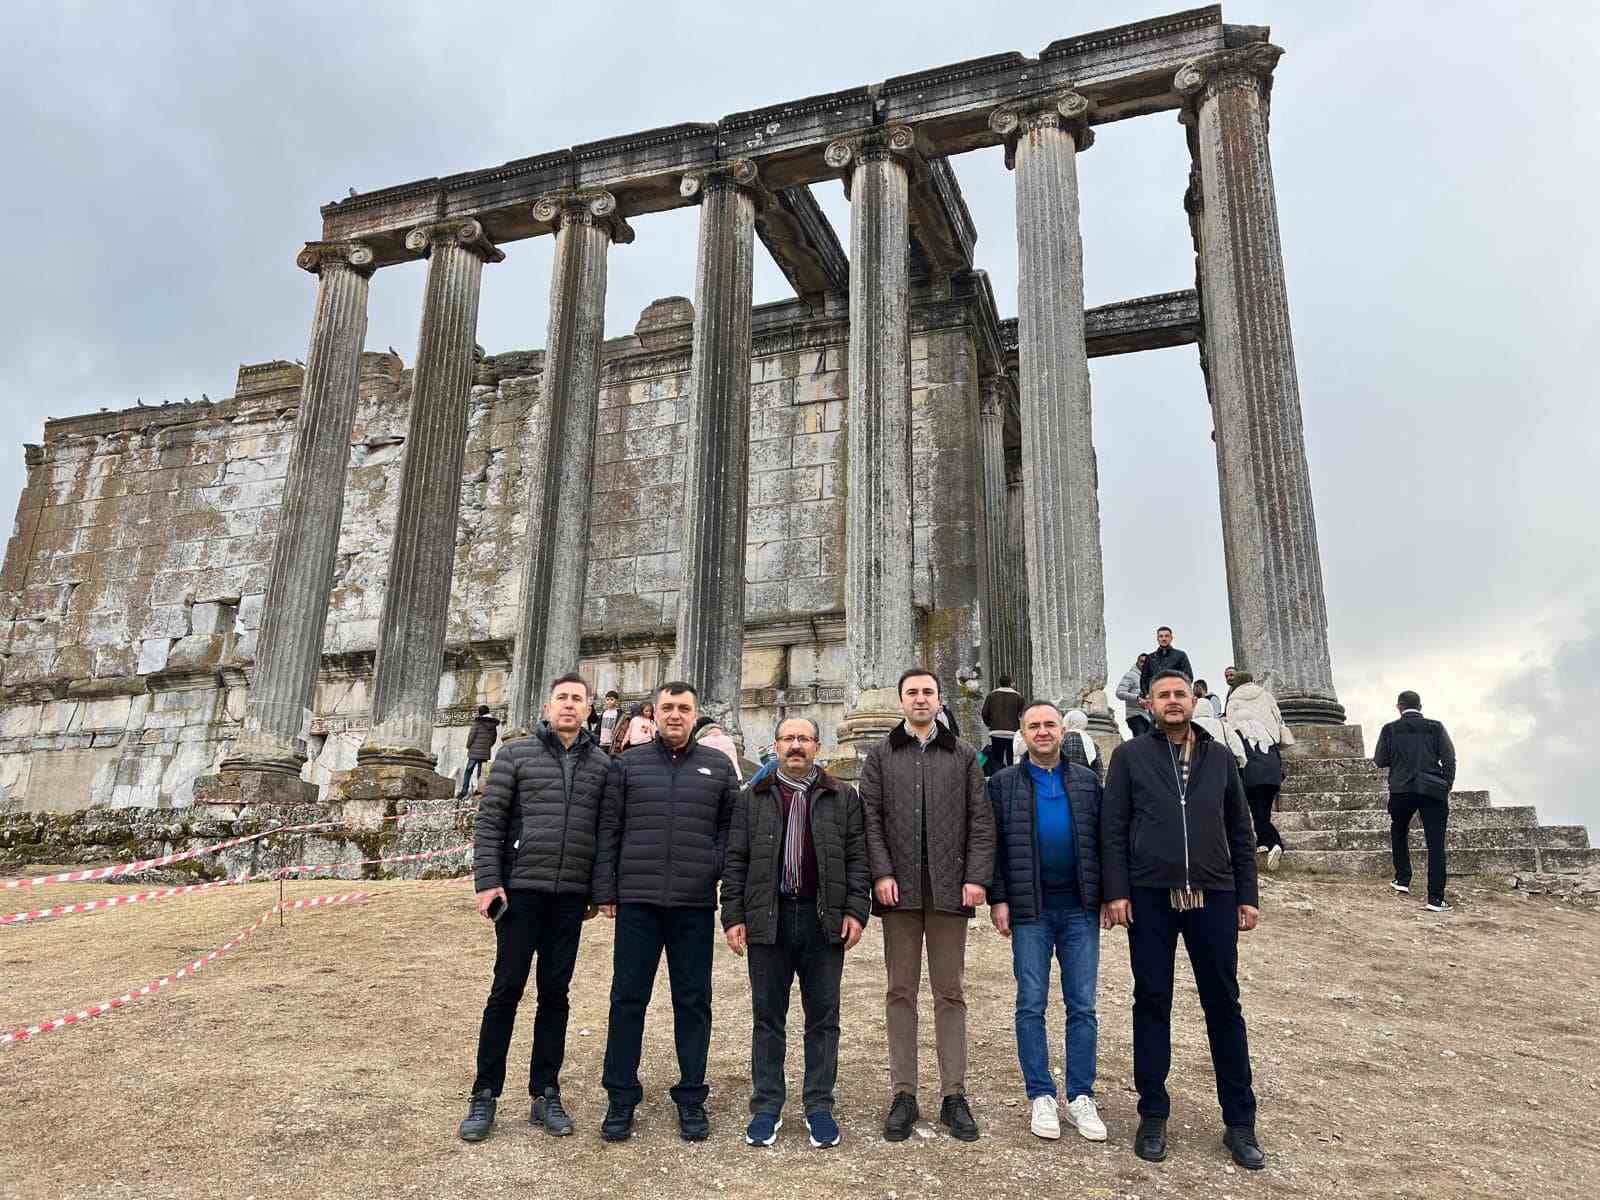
62	910
193	968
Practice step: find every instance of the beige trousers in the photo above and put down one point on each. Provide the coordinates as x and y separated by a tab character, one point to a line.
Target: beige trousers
945	935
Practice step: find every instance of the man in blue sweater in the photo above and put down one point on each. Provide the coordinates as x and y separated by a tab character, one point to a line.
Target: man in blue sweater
1045	897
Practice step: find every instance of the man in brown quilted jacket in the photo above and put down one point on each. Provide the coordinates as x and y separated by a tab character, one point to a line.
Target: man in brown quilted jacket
930	851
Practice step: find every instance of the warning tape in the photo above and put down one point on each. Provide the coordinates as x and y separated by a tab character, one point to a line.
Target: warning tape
193	968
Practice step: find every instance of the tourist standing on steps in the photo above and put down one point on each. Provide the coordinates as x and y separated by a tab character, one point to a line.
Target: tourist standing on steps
662	839
1001	708
1130	690
640	729
532	862
930	849
795	897
1176	860
1254	717
1422	769
1077	746
610	717
1165	657
1045	897
1205	703
1229	674
481	738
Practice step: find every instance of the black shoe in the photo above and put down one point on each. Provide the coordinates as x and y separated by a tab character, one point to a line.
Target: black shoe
547	1111
1150	1143
1241	1143
693	1124
903	1116
618	1125
955	1116
480	1116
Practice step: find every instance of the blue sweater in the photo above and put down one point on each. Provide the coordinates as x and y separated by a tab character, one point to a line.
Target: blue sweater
1058	850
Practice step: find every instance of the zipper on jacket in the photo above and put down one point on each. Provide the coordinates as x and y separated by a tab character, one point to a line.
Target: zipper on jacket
1183	806
566	816
672	819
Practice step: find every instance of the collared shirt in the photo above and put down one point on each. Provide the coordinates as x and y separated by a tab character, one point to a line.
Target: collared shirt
1058	848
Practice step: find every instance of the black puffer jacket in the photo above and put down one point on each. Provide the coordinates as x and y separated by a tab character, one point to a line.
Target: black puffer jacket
481	738
536	828
664	826
755	859
1016	856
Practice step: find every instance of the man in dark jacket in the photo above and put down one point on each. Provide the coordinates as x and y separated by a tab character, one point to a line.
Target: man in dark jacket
662	838
1178	857
1001	710
1046	898
481	738
532	860
1422	770
930	849
795	895
1165	657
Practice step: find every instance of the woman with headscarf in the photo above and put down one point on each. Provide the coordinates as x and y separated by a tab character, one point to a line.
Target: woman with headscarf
1253	715
709	733
1076	744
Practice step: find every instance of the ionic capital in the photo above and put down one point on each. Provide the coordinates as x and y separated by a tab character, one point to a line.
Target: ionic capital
873	145
1060	110
994	393
1204	78
596	207
735	172
316	255
469	234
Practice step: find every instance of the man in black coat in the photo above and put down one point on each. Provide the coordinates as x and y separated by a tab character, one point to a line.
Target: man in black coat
662	838
795	896
1422	769
1178	857
481	738
533	858
1165	657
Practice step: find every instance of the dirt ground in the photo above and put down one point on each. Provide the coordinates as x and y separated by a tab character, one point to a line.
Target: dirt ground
1397	1053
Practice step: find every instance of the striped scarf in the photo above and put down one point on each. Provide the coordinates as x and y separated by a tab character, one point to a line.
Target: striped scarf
794	832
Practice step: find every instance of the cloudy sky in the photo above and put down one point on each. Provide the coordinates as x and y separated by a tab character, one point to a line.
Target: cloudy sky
1436	183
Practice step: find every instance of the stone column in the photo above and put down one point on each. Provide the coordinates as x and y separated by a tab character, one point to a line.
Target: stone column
999	625
264	763
716	493
556	555
880	622
1066	593
416	598
1280	615
1017	576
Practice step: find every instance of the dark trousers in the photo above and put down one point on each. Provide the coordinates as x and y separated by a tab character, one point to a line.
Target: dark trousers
643	932
802	949
1261	799
1435	816
1000	749
1138	723
1211	937
474	767
548	925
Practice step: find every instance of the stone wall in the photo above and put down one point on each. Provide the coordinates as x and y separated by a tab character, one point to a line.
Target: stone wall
132	587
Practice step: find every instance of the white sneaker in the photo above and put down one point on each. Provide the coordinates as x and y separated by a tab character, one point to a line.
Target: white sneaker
1083	1114
1274	857
1045	1123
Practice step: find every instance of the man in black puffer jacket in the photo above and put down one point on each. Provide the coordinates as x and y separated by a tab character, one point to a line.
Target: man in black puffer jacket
533	861
662	838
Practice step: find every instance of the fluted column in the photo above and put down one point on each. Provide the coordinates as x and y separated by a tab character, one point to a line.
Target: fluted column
556	554
289	646
880	623
1017	575
1275	592
1066	594
999	625
416	599
716	492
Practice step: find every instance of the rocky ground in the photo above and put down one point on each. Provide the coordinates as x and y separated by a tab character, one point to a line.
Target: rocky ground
1397	1053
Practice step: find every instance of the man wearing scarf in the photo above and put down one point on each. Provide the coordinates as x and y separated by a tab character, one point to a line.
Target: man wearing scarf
795	898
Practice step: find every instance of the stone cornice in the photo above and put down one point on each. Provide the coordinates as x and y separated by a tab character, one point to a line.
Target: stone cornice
594	206
421	240
1061	110
316	255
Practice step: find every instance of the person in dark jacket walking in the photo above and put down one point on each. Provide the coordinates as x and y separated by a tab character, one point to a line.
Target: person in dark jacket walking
663	835
1165	657
795	897
1177	858
930	849
532	861
1001	710
1422	769
481	738
1045	897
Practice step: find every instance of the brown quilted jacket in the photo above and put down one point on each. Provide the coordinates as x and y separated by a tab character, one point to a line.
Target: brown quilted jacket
897	780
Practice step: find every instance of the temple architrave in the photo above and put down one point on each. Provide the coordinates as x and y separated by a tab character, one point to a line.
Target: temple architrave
306	589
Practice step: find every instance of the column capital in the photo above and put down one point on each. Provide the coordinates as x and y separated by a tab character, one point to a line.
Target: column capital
424	238
1202	79
316	255
734	172
871	145
594	206
994	395
1056	110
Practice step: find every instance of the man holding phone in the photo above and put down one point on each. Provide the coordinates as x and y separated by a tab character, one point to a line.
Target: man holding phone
533	862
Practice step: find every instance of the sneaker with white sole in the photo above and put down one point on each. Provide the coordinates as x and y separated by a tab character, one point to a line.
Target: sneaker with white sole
1044	1122
1403	888
1086	1118
1274	857
1440	906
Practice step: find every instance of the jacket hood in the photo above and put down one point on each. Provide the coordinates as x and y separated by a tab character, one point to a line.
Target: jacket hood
1247	691
486	719
900	736
552	740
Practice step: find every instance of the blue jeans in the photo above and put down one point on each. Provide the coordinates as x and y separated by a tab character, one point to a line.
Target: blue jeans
1072	937
474	765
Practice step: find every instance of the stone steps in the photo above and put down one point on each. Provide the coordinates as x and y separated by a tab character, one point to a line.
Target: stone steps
1544	837
1366	798
1519	816
1462	862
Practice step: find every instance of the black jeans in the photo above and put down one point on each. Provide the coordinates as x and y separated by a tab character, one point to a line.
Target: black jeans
1000	749
1262	798
548	925
1211	936
1138	723
643	932
1435	817
802	948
